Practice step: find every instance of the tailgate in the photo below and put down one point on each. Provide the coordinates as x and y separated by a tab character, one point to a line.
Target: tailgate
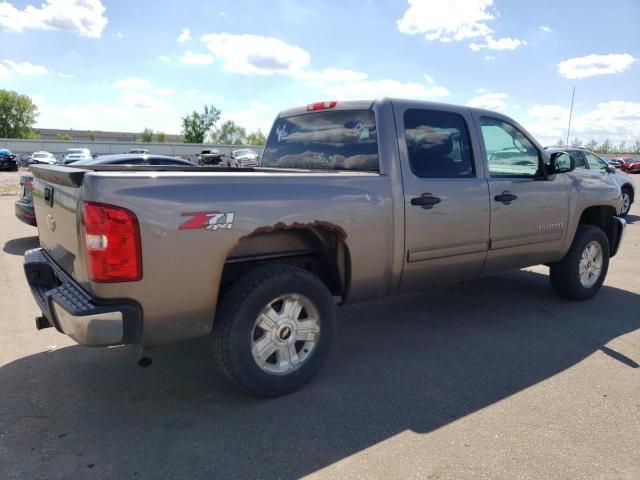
56	196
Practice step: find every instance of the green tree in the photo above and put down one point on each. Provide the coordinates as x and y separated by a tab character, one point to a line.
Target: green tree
591	146
636	147
92	136
256	138
560	143
622	148
64	136
604	147
576	142
146	135
161	137
229	134
18	114
196	125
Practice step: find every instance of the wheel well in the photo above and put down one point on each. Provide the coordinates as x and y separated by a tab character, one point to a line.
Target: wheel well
629	187
601	216
317	249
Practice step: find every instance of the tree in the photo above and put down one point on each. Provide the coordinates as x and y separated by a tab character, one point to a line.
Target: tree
591	146
229	134
576	142
636	147
604	147
196	125
64	136
92	136
146	136
256	138
18	114
560	143
622	148
161	137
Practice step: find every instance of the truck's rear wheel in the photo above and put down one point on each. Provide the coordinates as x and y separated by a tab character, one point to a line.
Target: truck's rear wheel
273	329
582	271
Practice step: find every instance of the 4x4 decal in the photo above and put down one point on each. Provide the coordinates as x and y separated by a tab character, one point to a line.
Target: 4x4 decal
208	221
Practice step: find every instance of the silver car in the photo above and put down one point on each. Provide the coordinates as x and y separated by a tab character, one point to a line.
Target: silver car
590	161
245	157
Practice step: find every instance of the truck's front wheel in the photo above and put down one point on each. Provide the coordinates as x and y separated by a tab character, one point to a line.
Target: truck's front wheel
582	271
273	329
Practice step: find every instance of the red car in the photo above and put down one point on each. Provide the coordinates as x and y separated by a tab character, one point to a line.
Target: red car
629	164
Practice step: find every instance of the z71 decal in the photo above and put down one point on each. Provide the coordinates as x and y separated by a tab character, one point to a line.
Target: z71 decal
208	221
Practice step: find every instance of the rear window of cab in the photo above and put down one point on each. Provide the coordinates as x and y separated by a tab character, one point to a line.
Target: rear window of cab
327	140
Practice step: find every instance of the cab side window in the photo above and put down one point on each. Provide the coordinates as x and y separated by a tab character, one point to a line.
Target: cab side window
509	152
438	144
579	159
594	162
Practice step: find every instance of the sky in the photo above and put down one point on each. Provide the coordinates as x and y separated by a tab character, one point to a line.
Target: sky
126	66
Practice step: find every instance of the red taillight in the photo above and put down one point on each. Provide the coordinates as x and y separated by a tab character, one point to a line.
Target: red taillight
321	105
28	186
112	242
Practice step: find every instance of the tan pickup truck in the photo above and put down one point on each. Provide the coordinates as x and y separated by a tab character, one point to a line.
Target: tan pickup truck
353	201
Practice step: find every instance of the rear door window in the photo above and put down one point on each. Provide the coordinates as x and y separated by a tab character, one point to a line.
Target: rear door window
438	144
327	140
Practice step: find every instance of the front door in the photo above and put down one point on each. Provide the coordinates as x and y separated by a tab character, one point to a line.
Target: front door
446	198
529	211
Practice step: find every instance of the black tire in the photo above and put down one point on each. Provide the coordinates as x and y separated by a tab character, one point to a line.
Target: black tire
626	190
235	320
565	275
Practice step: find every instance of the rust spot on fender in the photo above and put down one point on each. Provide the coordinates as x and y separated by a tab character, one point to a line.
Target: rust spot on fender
281	226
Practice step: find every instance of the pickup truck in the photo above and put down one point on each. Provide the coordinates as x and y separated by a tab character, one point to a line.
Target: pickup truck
354	201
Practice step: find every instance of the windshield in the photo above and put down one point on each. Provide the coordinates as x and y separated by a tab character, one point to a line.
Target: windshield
328	140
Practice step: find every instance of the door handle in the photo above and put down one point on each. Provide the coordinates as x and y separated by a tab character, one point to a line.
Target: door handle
505	197
426	200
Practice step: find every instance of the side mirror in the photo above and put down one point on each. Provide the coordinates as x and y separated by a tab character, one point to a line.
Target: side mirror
561	162
610	169
25	156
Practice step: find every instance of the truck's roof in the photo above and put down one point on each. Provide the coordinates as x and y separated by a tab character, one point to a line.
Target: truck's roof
367	104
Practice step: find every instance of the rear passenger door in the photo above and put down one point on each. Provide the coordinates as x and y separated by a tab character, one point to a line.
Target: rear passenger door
446	198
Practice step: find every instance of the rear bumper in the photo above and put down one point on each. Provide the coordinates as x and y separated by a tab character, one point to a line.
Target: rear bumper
73	311
25	212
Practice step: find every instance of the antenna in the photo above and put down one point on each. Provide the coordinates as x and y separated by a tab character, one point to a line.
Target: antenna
570	114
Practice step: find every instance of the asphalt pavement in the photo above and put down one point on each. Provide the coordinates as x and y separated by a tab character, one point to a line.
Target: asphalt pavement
495	379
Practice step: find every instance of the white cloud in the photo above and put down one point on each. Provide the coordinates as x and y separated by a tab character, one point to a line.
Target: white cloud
447	20
120	35
616	120
455	20
190	58
489	57
319	77
591	65
252	119
65	75
164	58
429	79
255	54
490	101
545	29
138	100
25	68
385	88
85	17
193	93
258	105
133	83
506	43
185	35
4	72
163	91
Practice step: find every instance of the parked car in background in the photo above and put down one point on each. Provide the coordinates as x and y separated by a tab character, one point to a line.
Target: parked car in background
245	157
590	161
629	164
8	160
72	155
42	157
24	205
616	162
139	151
210	157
